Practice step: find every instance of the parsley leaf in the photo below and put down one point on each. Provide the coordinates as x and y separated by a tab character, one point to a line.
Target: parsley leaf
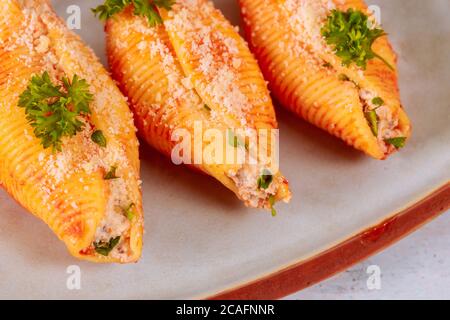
110	8
372	118
265	180
53	111
343	77
99	138
272	203
398	142
104	248
111	174
129	213
378	101
235	141
145	8
352	38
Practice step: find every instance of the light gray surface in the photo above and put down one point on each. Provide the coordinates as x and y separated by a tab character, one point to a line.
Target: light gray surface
418	267
200	240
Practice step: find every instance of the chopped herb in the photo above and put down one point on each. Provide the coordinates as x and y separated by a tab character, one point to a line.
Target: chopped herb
272	203
372	118
111	174
99	138
378	101
53	111
206	107
235	141
265	180
129	213
398	142
145	8
343	77
351	37
104	248
327	65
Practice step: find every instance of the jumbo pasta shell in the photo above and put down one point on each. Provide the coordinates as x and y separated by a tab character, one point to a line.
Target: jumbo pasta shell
308	78
67	189
195	69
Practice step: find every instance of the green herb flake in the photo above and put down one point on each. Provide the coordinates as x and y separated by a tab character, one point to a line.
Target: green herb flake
343	77
351	37
378	101
99	138
54	111
145	8
372	119
104	248
111	174
398	142
272	203
235	141
265	180
129	212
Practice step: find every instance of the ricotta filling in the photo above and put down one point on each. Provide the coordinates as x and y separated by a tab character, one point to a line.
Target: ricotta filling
387	122
116	223
246	181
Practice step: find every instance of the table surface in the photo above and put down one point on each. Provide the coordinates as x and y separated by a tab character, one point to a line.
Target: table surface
417	267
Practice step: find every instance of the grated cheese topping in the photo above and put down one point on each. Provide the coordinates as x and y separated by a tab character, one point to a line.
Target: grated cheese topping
213	54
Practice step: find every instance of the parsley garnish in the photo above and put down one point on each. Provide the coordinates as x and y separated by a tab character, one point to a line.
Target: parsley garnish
352	38
104	248
111	174
265	180
372	118
99	138
272	203
53	111
343	77
146	8
235	141
398	142
129	213
378	101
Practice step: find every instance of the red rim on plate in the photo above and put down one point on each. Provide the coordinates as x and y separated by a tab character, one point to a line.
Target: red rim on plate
339	258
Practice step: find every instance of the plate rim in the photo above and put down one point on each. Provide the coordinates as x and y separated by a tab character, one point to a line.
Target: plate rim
310	271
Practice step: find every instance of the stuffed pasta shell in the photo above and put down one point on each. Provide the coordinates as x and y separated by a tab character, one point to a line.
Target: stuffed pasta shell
329	62
68	148
188	70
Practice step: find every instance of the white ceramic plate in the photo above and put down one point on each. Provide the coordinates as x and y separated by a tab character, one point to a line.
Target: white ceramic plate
200	240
